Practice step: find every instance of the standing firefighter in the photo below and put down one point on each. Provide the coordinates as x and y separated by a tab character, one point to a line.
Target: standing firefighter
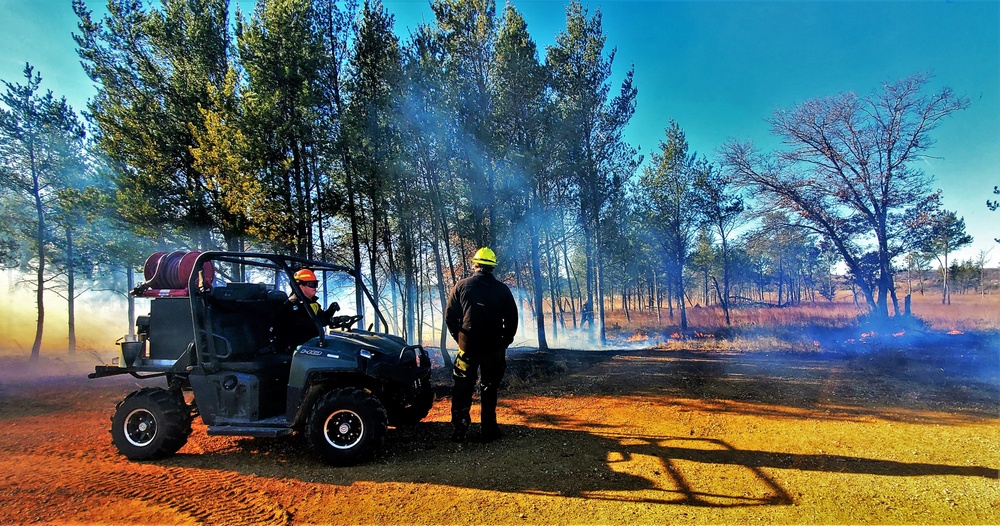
482	318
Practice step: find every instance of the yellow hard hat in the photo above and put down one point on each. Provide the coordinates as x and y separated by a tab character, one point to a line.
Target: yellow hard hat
485	256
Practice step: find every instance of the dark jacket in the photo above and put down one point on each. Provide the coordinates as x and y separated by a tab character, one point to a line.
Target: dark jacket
293	326
481	314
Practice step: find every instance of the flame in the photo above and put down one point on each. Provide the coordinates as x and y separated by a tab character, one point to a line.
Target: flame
866	335
637	337
677	336
955	332
703	335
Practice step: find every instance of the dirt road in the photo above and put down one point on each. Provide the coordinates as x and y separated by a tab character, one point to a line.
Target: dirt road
632	437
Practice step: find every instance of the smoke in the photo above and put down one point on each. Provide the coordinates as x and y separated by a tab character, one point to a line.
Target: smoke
579	338
101	318
563	336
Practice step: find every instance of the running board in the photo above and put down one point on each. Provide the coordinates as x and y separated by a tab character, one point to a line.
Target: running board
249	431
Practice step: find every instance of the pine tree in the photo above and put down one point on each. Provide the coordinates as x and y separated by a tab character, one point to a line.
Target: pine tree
592	151
282	56
670	202
371	132
154	69
41	152
519	125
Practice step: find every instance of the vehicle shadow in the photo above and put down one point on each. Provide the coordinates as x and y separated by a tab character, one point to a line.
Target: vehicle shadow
571	463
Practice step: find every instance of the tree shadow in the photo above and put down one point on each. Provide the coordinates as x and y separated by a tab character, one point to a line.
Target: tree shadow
702	472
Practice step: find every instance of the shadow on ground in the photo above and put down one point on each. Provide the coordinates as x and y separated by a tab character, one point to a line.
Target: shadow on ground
554	454
938	379
569	463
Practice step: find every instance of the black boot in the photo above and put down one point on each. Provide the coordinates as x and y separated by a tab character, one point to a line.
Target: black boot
490	433
461	429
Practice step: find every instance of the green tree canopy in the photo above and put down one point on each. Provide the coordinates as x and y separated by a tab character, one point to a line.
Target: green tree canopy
154	69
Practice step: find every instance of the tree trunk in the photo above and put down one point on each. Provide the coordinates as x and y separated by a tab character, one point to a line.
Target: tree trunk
536	274
945	292
886	287
680	298
409	291
656	298
521	298
373	254
625	308
781	282
70	293
591	280
443	295
571	277
554	302
724	299
600	294
40	240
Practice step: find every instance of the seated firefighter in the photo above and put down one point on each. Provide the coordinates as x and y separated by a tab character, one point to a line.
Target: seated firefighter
293	325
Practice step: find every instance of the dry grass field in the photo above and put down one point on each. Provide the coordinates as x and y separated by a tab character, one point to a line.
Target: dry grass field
801	327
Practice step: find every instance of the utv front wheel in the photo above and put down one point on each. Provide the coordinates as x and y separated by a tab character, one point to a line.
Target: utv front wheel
413	412
150	423
346	426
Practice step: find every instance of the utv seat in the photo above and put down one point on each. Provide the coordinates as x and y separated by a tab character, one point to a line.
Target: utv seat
240	315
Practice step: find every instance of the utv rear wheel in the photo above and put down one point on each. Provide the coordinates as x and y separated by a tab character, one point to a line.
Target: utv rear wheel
346	426
150	423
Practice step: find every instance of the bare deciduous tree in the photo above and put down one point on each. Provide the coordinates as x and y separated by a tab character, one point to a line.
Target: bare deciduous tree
848	172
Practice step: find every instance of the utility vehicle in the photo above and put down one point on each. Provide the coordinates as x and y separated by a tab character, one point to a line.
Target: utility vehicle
209	335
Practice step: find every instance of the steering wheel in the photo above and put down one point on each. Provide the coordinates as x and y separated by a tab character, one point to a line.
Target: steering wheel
344	322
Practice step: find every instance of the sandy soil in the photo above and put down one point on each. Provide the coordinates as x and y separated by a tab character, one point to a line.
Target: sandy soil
623	437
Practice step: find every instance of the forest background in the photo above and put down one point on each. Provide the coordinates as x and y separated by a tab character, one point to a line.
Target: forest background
312	128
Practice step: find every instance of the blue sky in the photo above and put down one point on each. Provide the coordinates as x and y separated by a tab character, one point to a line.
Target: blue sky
717	68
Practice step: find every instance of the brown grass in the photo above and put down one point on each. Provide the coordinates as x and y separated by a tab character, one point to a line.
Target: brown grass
826	314
967	312
804	327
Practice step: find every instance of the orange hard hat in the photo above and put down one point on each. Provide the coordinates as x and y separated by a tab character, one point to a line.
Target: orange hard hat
305	275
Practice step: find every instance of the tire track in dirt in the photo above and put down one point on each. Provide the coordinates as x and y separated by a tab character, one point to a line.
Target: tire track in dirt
209	496
79	462
188	490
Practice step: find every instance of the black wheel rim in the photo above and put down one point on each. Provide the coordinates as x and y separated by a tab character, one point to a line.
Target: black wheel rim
140	427
343	429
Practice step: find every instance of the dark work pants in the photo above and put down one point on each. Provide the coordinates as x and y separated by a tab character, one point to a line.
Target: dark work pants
467	368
